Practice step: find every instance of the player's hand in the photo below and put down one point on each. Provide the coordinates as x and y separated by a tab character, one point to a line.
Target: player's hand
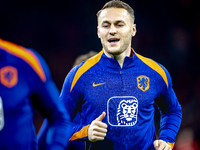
161	145
97	130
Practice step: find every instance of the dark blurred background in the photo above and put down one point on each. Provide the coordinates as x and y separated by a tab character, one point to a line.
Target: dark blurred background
168	31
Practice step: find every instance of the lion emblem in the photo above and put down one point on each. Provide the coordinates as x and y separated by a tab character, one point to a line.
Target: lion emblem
127	112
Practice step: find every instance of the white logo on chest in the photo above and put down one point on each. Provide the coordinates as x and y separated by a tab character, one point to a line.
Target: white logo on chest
122	111
127	112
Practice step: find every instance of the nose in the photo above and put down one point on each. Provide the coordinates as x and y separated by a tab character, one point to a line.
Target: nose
113	30
129	110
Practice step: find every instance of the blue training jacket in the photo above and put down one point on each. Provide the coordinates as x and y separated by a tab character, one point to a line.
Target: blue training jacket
127	95
26	83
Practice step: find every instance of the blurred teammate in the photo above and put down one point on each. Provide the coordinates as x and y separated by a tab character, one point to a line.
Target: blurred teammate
115	91
84	57
26	83
73	145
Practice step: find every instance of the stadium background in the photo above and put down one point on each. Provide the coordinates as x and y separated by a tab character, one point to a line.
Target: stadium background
168	31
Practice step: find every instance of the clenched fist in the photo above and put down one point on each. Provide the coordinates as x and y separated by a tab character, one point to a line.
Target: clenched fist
97	130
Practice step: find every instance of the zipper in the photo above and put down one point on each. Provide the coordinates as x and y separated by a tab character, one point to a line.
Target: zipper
120	73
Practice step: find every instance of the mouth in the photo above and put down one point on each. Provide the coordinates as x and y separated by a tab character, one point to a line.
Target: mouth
129	119
113	40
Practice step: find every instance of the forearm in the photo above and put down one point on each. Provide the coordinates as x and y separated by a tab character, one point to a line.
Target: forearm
169	125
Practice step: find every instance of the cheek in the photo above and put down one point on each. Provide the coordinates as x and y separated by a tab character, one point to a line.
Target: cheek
128	35
102	33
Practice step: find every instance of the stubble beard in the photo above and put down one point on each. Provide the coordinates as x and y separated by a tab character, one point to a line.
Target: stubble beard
126	43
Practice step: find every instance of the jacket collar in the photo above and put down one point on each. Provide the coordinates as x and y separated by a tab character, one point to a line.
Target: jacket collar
111	62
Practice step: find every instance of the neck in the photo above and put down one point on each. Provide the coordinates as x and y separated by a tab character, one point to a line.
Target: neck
120	60
120	57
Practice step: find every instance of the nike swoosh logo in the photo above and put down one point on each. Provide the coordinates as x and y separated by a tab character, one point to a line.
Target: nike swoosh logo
97	84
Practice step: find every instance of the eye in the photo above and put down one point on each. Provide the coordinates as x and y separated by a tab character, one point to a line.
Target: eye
105	25
120	24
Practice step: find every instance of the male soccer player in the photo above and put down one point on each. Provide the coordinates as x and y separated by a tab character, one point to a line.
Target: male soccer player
26	83
115	91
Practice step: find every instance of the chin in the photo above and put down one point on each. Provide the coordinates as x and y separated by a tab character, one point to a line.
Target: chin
113	50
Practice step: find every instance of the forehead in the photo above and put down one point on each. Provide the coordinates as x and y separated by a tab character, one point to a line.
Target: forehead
114	14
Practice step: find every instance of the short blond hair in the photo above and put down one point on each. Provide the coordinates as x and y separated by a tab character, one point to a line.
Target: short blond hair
118	4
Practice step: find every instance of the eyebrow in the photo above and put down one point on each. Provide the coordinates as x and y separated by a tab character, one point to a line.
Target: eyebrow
118	21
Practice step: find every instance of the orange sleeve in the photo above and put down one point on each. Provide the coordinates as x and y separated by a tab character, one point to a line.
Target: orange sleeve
80	134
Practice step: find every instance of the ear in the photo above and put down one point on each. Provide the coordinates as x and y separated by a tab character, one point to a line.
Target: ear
134	30
98	32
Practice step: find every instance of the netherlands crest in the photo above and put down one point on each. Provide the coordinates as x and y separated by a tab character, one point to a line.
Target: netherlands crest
8	76
143	83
